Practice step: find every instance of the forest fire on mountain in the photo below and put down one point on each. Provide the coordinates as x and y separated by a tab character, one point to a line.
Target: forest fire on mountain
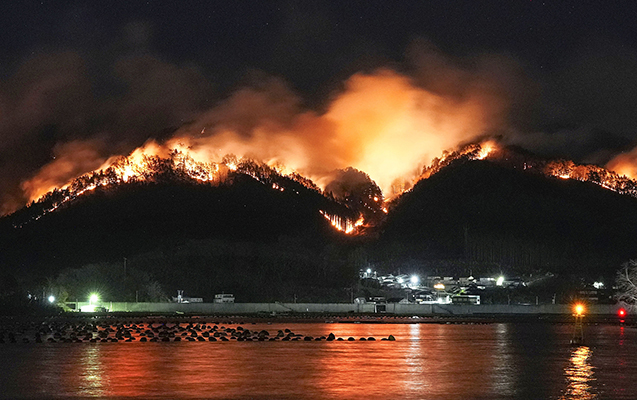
344	225
591	173
149	162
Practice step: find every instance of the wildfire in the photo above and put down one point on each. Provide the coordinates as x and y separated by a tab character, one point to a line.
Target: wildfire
486	148
591	173
342	224
176	157
471	152
148	162
561	169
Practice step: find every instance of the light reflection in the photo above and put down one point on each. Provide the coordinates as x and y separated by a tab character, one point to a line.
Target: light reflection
504	371
416	373
129	369
579	375
91	374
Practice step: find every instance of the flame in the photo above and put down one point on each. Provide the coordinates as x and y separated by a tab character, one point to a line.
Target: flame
151	159
563	169
592	173
625	164
342	224
472	151
486	148
382	123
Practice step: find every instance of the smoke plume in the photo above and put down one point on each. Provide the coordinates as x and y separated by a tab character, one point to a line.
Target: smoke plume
386	122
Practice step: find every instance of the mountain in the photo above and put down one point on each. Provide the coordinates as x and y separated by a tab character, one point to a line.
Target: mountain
484	211
243	221
244	228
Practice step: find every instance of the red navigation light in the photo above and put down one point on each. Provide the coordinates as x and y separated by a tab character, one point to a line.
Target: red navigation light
621	313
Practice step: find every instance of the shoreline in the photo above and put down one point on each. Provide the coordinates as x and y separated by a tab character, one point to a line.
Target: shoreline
259	318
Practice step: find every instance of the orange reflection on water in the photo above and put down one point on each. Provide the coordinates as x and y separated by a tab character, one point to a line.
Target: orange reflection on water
115	370
579	375
426	361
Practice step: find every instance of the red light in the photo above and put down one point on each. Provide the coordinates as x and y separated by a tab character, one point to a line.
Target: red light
621	312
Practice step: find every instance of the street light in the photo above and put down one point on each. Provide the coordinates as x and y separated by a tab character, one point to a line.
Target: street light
414	279
51	299
578	329
93	298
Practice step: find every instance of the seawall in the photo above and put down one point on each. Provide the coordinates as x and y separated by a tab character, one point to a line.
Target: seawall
344	308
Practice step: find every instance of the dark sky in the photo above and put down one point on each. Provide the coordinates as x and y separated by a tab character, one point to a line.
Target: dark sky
119	72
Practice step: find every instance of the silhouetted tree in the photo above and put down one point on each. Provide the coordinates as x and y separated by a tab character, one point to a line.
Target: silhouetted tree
627	282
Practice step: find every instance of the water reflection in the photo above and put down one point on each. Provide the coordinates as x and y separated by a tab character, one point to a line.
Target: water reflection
432	361
504	371
416	375
579	375
91	372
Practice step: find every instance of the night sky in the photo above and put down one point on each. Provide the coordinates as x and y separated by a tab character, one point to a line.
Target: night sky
116	73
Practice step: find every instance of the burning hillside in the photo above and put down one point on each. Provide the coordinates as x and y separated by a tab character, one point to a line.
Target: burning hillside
154	163
385	123
563	169
352	188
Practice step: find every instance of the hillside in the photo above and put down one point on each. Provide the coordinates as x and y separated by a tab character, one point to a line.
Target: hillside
264	236
482	211
164	216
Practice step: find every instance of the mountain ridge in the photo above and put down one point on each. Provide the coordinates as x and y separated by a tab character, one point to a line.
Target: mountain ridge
471	214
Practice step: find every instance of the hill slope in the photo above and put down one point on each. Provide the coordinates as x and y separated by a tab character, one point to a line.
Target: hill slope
263	236
485	212
146	217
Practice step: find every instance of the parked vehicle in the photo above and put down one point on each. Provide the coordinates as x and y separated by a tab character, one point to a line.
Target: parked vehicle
224	298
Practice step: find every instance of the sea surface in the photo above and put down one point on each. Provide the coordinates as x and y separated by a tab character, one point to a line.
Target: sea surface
426	361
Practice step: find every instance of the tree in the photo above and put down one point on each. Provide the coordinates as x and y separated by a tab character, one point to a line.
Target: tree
627	282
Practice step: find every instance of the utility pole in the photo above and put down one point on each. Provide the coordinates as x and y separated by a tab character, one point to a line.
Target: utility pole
125	266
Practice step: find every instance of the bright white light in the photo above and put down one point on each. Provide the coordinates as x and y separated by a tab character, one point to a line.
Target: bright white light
369	270
414	279
51	299
94	298
400	280
87	308
499	281
598	285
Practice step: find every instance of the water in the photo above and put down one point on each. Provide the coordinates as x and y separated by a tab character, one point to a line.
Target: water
427	361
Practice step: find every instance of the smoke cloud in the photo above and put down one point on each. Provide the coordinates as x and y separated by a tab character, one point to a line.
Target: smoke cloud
386	123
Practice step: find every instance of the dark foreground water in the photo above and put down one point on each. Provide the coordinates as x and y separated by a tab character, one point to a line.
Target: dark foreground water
427	361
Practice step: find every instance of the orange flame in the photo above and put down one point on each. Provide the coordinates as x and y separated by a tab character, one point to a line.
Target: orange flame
342	224
382	123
